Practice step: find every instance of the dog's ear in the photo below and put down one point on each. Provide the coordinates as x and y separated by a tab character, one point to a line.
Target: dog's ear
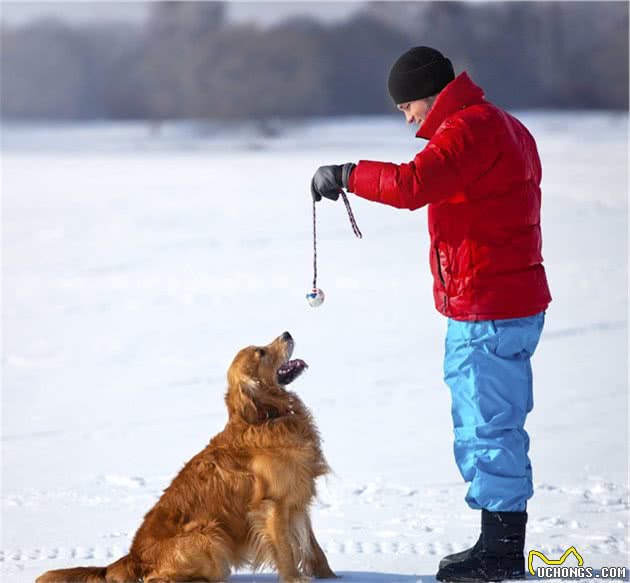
250	386
247	408
240	398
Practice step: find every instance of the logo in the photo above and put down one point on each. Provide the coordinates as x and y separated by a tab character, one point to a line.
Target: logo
560	561
553	568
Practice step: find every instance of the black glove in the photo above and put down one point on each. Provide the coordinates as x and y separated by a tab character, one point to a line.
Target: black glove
329	180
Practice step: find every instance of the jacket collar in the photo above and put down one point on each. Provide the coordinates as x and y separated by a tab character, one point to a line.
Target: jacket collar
458	94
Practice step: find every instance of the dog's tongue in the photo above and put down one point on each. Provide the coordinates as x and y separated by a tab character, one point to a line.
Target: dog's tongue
291	370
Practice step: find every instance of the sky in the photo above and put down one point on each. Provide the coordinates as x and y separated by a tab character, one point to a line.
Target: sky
81	11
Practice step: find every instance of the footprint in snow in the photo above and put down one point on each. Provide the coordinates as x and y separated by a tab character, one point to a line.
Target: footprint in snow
123	481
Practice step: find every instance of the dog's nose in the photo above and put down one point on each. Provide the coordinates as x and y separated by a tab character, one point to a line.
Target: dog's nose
286	336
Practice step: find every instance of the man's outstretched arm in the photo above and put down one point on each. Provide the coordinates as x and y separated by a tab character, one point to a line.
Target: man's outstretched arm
450	162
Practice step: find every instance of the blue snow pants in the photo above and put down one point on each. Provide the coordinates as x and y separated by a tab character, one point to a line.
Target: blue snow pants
488	370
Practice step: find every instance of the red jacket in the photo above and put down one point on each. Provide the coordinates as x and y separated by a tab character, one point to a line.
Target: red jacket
480	175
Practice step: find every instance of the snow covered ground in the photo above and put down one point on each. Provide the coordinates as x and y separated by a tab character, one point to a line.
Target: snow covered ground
135	265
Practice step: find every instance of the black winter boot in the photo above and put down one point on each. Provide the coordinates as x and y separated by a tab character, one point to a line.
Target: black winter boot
496	556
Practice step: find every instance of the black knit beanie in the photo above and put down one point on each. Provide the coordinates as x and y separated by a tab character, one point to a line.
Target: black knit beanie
419	73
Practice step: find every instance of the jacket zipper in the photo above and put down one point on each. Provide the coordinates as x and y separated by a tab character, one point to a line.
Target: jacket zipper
441	276
439	267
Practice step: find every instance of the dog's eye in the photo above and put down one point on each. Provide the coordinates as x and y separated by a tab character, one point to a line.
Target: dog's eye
261	352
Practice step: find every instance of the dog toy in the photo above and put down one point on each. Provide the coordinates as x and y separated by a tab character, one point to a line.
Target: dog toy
316	296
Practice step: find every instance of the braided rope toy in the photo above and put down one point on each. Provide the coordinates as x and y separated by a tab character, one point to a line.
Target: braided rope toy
316	296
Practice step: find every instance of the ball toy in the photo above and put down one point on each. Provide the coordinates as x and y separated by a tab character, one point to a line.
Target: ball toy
315	297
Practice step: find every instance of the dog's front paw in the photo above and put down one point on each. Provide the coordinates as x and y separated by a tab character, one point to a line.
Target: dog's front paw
320	571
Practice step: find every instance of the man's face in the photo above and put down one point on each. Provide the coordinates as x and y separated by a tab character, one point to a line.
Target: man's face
417	111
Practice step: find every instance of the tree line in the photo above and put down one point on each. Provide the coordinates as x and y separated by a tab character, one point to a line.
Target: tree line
189	61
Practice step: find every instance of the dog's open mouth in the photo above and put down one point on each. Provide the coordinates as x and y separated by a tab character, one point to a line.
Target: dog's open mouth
291	370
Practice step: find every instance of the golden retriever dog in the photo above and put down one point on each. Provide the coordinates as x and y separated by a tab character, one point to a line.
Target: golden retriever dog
244	499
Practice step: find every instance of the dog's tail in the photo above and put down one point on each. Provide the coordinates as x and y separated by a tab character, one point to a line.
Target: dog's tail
123	570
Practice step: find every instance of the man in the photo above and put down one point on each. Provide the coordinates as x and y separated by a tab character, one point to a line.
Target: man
480	176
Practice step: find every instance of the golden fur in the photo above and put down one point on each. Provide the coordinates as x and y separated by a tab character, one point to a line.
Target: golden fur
244	499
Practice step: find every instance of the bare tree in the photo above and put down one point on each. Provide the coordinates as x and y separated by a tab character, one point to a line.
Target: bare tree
189	62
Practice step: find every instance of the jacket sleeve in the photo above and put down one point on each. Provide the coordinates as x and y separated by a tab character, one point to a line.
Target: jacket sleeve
451	161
